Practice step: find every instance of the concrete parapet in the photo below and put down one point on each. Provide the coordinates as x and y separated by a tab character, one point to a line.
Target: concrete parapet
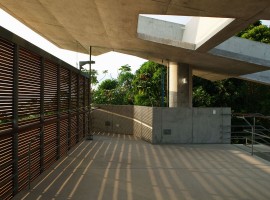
165	125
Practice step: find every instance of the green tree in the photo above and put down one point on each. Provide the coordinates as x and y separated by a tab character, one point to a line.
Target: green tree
108	93
116	91
147	86
259	33
229	92
125	79
94	74
251	26
240	95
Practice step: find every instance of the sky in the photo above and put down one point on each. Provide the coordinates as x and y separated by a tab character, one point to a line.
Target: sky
111	61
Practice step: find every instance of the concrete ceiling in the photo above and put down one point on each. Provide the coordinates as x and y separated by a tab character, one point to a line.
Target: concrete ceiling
112	25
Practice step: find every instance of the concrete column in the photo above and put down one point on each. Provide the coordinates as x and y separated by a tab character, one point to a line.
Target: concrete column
180	85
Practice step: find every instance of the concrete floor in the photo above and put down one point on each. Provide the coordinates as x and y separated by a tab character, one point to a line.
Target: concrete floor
123	167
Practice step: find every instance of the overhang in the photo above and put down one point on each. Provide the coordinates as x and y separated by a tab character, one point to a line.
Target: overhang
112	25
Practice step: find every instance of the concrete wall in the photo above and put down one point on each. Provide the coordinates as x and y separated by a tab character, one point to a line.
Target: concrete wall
191	125
136	120
165	125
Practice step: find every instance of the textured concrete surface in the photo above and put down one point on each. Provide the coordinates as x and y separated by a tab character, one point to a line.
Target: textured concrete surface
122	167
185	125
192	125
244	50
112	25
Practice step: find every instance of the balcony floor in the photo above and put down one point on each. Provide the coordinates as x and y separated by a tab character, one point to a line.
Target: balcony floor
124	167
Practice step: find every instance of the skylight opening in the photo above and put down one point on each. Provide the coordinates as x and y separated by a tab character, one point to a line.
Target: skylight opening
180	31
170	18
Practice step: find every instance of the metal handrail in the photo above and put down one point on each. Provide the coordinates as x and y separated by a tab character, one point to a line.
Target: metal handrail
251	115
253	139
252	129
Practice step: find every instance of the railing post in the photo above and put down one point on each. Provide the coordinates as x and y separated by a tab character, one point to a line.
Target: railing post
252	136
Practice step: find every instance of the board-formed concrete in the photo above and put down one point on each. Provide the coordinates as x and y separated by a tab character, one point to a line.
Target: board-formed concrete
112	25
123	167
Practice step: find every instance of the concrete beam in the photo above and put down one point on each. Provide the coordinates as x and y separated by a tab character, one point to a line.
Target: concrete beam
244	50
163	32
188	36
259	77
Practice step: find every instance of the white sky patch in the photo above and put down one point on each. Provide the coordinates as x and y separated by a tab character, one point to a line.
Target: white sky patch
266	22
170	18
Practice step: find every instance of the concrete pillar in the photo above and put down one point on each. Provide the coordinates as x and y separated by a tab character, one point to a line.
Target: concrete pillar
180	85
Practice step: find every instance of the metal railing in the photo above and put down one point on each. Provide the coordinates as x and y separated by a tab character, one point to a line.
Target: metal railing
252	134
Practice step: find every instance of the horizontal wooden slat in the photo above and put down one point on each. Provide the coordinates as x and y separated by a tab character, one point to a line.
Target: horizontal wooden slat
30	121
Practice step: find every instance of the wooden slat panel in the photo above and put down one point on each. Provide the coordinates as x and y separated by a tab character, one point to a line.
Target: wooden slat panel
50	142
6	167
63	137
64	90
24	140
6	84
50	90
6	117
74	92
73	131
29	87
30	121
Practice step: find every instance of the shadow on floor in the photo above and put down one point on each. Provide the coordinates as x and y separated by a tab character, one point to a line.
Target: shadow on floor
124	167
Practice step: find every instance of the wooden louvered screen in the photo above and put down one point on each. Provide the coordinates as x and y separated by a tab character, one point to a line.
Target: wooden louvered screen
6	84
23	141
50	145
6	166
81	108
43	101
6	117
74	109
64	91
50	113
28	113
86	105
29	87
50	90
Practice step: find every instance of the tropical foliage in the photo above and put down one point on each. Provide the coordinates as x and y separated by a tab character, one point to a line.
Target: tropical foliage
147	86
142	88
